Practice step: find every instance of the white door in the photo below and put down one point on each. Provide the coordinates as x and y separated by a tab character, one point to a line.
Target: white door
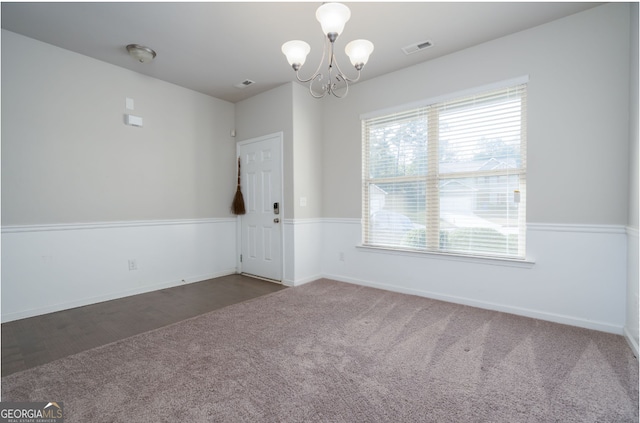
261	226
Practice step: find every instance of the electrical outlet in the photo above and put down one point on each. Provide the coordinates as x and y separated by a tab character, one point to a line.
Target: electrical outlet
133	265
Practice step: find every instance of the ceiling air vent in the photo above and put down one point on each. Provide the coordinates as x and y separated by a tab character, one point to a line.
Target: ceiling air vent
245	83
413	48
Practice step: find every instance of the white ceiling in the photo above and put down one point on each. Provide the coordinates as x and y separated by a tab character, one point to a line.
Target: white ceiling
210	47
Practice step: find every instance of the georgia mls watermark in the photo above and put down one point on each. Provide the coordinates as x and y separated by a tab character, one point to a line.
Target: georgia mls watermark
31	412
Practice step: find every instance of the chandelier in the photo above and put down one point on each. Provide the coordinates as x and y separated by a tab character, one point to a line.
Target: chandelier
332	18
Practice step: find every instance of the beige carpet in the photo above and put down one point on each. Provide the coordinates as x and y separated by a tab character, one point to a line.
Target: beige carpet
334	352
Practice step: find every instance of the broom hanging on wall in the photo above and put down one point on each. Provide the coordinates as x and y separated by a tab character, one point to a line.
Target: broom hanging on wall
238	202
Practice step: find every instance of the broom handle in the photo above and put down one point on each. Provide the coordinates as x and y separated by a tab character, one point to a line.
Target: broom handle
238	172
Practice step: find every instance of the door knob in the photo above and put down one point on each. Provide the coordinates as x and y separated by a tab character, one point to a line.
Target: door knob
276	220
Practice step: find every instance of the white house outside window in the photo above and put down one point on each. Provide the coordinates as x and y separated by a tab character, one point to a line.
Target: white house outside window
448	177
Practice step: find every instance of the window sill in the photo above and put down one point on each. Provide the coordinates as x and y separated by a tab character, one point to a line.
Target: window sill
494	261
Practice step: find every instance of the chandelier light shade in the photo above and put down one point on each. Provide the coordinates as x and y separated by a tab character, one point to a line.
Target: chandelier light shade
332	18
296	52
358	52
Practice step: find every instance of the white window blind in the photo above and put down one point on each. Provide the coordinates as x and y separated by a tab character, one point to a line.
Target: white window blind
448	177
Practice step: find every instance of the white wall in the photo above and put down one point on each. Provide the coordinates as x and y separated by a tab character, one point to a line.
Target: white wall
577	180
633	276
587	292
82	193
308	170
633	264
47	268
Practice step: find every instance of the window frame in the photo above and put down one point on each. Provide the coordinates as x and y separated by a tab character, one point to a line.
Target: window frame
434	176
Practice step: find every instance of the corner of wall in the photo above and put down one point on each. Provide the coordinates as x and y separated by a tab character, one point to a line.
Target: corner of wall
631	328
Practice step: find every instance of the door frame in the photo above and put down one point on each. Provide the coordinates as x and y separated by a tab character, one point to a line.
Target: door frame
283	205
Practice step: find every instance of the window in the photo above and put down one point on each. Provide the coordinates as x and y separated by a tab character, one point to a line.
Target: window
448	177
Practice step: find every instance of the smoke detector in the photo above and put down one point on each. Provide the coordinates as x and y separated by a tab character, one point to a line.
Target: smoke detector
413	48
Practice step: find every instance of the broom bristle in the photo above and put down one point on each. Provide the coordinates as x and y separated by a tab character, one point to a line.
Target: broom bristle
237	207
238	203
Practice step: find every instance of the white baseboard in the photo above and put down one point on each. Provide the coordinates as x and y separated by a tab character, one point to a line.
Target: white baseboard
632	343
632	311
102	298
551	317
298	282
